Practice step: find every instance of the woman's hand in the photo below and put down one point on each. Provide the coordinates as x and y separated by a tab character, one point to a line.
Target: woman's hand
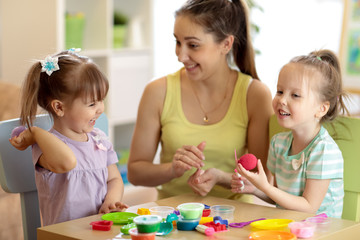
202	181
23	141
187	157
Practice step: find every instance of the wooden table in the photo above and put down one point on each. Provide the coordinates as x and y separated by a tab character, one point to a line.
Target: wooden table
80	228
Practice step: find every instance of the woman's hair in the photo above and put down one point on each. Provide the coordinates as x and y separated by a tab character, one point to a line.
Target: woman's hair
330	89
223	18
77	77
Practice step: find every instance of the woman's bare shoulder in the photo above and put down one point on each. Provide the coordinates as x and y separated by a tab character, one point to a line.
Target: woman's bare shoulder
153	97
157	87
259	91
259	98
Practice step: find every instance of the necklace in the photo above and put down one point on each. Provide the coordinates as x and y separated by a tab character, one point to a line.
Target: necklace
206	114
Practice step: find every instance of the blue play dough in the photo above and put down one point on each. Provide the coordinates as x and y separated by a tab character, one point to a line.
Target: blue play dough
16	131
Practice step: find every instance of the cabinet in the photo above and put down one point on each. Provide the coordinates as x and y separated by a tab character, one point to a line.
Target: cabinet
36	28
33	29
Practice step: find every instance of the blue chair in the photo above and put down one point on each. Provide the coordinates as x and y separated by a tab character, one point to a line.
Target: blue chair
17	171
346	133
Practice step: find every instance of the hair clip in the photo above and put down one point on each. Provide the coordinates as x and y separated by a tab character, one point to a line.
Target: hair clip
49	65
319	58
74	50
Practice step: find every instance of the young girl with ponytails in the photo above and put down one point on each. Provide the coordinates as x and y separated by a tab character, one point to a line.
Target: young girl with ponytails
306	161
75	164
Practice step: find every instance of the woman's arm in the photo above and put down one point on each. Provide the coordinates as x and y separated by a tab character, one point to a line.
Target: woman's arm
259	106
56	156
145	141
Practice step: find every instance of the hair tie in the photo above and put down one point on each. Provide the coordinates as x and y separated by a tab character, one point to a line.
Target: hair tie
319	58
49	65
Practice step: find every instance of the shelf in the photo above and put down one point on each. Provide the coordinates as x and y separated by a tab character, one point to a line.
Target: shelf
128	69
98	16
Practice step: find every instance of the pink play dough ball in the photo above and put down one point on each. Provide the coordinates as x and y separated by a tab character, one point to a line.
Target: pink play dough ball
248	161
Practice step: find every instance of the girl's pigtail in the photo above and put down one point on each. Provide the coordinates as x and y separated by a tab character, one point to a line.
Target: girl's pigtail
335	93
341	102
29	100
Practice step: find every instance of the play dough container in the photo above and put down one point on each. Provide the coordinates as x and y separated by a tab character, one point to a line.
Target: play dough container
135	235
271	235
322	223
147	223
186	224
223	211
271	224
162	211
190	211
302	229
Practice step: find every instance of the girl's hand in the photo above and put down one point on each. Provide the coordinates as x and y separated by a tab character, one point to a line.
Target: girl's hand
187	157
241	185
107	207
23	141
202	181
258	179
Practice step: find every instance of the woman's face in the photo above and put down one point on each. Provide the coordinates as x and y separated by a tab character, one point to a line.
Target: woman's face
197	50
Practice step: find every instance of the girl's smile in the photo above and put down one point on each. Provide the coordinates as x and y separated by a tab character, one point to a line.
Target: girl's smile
296	102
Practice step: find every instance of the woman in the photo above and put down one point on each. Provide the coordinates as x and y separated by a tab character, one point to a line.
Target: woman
203	112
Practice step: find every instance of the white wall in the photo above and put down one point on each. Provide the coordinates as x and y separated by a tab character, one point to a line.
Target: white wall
287	28
165	60
294	27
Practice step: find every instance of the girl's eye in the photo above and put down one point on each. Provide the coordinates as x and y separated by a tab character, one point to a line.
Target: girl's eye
177	43
193	45
279	92
91	104
296	95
